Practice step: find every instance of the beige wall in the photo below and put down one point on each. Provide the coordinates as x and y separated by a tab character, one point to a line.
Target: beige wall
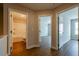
19	25
6	21
33	28
6	7
19	17
32	32
19	30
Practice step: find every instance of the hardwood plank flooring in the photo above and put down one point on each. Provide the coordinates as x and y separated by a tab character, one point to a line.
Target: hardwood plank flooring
69	49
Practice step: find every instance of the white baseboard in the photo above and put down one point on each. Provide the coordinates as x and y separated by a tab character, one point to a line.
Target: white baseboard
32	46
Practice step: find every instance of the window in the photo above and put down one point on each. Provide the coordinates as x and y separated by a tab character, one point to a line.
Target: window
60	28
76	28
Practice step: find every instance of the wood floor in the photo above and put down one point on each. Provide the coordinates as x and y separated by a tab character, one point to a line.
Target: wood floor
69	49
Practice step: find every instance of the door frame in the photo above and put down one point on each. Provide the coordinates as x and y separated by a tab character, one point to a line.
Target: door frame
71	26
39	28
57	19
19	11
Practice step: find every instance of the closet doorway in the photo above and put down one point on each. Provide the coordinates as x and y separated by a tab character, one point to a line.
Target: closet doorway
17	31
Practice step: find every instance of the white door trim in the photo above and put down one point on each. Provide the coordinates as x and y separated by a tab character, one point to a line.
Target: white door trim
39	27
25	13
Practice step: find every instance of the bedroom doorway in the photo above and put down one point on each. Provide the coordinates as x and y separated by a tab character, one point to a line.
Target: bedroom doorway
45	31
68	31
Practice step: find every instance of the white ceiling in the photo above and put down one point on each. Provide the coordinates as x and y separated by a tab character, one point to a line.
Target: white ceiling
41	6
71	13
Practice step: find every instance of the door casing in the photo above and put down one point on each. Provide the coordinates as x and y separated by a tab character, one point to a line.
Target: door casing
9	37
39	27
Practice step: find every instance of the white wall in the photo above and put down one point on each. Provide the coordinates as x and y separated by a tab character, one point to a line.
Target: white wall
65	18
74	36
44	21
65	36
73	14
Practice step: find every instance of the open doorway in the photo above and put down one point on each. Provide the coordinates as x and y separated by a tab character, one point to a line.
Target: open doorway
74	29
45	31
17	32
68	31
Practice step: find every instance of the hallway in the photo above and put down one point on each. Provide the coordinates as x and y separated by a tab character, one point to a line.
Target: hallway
45	42
69	49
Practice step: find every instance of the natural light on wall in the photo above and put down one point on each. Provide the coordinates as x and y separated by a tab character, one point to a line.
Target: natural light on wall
61	28
76	28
